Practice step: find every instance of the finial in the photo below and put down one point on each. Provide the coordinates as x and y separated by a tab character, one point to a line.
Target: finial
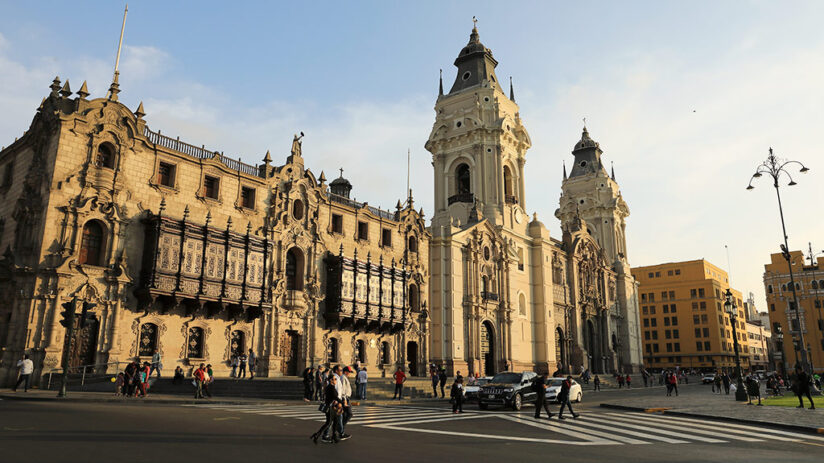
511	90
322	178
248	228
473	37
535	216
340	251
208	217
186	213
341	171
66	91
474	23
440	84
114	88
268	158
229	224
612	169
398	206
140	111
84	91
162	206
369	256
565	174
55	86
585	125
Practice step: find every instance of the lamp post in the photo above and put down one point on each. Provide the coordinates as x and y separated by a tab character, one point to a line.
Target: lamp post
732	310
775	167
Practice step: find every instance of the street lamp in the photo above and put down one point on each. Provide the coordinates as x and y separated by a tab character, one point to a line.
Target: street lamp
775	167
732	310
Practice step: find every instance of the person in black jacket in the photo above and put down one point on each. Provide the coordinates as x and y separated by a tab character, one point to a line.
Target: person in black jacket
539	386
442	380
802	387
563	397
457	395
308	383
334	408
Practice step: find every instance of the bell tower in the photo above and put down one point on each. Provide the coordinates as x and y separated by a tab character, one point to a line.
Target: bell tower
478	145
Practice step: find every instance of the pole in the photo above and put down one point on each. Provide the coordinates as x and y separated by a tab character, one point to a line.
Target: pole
802	345
64	377
740	393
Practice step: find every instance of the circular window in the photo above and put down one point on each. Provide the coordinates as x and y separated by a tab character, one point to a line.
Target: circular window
489	150
458	124
583	164
466	75
486	252
582	201
297	209
486	98
602	185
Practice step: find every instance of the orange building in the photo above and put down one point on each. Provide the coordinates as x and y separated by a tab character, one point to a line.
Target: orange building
809	288
683	321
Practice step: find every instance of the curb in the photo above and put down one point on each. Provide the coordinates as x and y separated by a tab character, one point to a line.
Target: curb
668	411
15	397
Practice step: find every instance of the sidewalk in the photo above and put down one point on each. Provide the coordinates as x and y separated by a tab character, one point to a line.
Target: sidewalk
705	404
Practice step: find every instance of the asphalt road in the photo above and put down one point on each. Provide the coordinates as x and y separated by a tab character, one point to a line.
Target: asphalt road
114	432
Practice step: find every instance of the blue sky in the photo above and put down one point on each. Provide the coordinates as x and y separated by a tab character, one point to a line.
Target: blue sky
685	98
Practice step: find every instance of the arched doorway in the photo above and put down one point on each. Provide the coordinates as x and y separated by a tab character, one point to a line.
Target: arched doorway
488	349
592	348
84	345
290	351
412	358
462	180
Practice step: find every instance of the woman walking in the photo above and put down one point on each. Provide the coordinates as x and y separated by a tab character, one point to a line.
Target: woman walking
457	395
333	407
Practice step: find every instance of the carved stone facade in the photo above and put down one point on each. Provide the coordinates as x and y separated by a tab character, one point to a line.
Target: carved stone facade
192	253
505	295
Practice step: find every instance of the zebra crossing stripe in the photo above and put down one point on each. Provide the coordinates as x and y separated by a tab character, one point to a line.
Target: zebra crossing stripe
763	432
552	426
431	417
629	422
492	436
585	421
696	429
586	435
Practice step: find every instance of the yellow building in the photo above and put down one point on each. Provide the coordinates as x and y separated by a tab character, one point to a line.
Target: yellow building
809	288
683	321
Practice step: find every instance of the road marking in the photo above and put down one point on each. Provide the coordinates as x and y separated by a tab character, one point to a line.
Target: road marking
706	431
750	429
491	436
656	410
565	429
715	426
584	421
661	431
223	418
414	419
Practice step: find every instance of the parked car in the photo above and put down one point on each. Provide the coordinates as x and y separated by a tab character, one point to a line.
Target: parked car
553	387
471	392
708	378
508	389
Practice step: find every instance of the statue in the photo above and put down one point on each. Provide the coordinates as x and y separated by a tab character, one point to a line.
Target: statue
296	145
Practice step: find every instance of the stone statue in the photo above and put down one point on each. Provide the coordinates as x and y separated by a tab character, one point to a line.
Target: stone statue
296	145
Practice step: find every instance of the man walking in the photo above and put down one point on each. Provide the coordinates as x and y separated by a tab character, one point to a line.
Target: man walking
26	367
319	386
242	365
435	380
442	380
156	363
400	378
539	386
802	387
346	394
252	363
563	397
596	383
727	381
361	380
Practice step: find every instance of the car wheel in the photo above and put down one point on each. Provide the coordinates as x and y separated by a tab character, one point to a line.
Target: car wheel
482	406
578	399
517	402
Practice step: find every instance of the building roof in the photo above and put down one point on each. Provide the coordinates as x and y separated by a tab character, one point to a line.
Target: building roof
475	65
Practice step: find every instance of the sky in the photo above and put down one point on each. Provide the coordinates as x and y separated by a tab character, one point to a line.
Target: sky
685	98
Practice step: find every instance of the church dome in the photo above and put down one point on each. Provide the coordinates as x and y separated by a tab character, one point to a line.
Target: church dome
474	45
340	186
585	142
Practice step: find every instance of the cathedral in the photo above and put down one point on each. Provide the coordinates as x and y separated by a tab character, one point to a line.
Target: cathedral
504	294
200	257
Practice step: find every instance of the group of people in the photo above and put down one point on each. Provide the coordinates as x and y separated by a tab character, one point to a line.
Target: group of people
133	381
335	400
239	363
539	387
315	381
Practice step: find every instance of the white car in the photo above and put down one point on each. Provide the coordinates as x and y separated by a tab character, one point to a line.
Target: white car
709	378
553	387
471	391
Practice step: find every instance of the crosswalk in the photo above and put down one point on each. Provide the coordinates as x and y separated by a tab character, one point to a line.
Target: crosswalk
593	428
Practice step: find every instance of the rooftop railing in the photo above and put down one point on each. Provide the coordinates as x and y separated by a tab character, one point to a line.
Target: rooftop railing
199	152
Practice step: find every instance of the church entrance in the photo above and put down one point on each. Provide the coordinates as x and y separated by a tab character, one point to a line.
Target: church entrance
560	351
290	350
84	345
412	358
592	338
487	349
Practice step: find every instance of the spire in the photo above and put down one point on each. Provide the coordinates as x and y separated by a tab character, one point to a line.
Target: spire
565	174
55	86
612	170
322	178
440	84
66	91
268	158
475	63
140	111
473	37
511	90
114	88
84	91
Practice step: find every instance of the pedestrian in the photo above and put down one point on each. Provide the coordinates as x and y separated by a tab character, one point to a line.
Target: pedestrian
118	384
130	372
143	382
457	395
596	382
234	363
442	380
319	383
400	378
252	359
435	381
210	378
726	380
199	378
308	383
178	378
242	366
563	398
801	387
346	395
717	384
669	385
26	368
333	409
644	376
620	379
753	389
539	387
629	381
674	384
361	380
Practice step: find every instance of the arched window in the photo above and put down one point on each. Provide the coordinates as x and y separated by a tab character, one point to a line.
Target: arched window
414	305
509	187
294	270
237	345
92	243
148	340
194	345
798	287
332	350
769	289
522	304
360	351
413	244
105	156
484	285
462	179
297	209
783	287
815	284
385	353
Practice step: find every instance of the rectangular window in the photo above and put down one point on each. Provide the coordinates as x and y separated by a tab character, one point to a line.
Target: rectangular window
386	237
655	348
706	332
675	334
654	322
652	310
694	306
677	271
8	174
645	310
693	293
666	321
646	323
704	318
166	174
695	319
677	346
718	306
652	297
672	295
667	334
337	223
669	347
663	295
650	275
657	274
211	187
698	347
247	197
698	332
666	308
655	335
772	307
701	292
363	231
706	346
703	305
643	297
672	308
669	273
674	321
647	335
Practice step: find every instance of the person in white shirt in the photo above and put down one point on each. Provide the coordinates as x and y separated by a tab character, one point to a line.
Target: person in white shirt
361	380
26	368
347	406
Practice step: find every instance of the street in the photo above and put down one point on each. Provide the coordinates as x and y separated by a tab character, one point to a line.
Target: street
76	432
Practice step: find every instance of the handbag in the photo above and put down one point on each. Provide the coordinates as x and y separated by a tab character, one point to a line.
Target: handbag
323	407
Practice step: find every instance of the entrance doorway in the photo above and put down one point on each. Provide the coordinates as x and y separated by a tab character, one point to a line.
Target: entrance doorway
412	357
487	349
84	345
290	347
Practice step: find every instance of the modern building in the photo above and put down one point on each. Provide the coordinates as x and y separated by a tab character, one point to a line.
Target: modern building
683	318
504	294
758	346
195	254
809	289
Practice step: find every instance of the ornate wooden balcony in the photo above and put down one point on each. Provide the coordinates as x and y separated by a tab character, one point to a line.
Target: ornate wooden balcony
461	198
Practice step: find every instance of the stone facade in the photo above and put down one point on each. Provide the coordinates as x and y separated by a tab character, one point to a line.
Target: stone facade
504	294
195	254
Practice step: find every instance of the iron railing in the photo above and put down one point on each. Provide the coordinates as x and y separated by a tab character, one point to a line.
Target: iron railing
461	198
82	369
352	203
199	152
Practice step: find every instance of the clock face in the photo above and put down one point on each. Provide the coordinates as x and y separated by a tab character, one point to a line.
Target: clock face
518	216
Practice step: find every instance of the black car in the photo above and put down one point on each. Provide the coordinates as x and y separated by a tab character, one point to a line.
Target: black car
508	389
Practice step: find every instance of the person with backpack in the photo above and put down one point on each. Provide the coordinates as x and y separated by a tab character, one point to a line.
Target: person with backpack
563	397
539	387
457	395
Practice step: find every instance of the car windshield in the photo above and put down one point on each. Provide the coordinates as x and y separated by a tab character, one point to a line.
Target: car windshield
554	382
481	381
507	378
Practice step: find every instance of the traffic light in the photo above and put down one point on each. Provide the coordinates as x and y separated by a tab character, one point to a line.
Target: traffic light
85	316
67	315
